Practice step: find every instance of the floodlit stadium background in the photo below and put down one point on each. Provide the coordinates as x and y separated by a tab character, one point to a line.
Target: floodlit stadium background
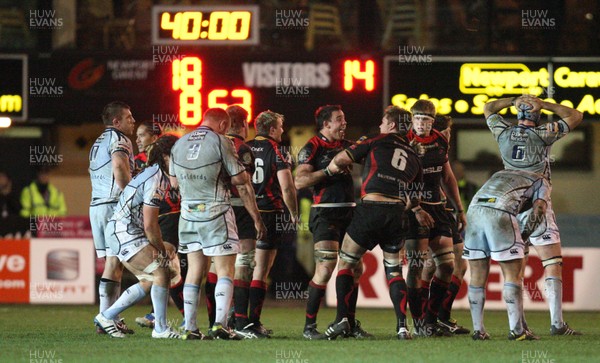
62	61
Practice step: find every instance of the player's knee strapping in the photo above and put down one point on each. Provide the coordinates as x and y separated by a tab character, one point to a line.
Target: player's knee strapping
445	255
392	268
322	255
349	258
246	259
552	261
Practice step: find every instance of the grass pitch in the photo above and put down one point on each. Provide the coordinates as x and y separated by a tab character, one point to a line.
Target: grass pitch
63	334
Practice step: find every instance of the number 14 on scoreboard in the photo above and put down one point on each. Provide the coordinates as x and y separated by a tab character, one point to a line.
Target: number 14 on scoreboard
187	77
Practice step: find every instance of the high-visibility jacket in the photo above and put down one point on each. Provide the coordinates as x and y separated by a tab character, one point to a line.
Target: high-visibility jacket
33	203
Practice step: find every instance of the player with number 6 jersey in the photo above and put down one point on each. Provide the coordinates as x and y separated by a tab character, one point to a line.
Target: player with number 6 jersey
274	186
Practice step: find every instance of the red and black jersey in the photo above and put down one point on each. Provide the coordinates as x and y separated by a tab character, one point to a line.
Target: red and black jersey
318	152
171	203
140	161
391	165
436	155
245	155
269	159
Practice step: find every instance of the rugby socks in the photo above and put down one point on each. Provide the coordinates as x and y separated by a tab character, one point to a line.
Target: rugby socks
398	294
258	291
446	308
352	306
553	287
160	299
414	302
315	296
190	305
344	284
513	297
129	298
523	320
223	294
424	296
241	294
176	293
116	293
209	290
476	302
437	291
106	292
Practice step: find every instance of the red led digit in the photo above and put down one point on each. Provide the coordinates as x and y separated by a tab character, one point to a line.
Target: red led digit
352	70
187	77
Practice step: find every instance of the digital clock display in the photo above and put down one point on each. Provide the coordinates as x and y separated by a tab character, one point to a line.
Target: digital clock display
205	25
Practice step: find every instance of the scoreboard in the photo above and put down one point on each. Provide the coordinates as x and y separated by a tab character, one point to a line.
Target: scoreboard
176	84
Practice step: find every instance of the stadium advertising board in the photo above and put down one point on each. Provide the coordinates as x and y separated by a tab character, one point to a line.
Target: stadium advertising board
47	271
579	267
460	86
13	87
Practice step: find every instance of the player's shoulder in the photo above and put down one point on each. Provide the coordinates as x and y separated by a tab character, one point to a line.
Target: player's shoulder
495	119
440	137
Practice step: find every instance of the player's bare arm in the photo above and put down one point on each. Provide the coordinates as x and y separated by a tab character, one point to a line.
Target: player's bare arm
306	176
244	187
535	218
121	169
450	187
571	116
340	163
288	191
152	229
495	106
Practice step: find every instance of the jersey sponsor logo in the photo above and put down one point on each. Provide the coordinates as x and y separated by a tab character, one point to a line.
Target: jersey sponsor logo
466	253
432	169
514	251
124	252
486	200
546	237
518	136
227	247
257	149
198	135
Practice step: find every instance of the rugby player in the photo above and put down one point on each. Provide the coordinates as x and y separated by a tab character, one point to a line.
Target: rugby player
111	166
274	186
391	165
493	232
331	213
526	146
134	236
437	173
203	163
168	220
